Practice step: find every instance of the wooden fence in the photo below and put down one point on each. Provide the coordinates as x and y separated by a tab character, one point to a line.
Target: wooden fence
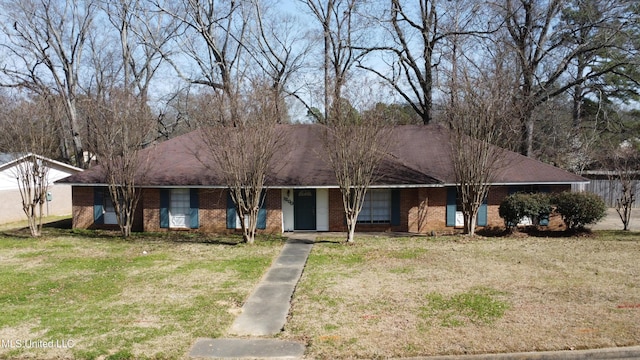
609	190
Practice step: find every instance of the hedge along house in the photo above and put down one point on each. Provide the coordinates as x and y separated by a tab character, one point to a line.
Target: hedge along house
415	189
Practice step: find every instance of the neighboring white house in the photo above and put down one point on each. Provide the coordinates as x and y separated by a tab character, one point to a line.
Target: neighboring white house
59	199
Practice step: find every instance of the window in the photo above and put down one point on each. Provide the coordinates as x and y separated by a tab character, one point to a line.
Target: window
376	208
179	208
109	210
454	215
233	220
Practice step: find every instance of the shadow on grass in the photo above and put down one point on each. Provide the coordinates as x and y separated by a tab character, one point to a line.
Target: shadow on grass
530	231
59	224
176	237
63	228
618	235
542	232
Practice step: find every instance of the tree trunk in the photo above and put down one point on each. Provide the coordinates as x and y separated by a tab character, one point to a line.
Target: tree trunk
526	148
351	229
470	223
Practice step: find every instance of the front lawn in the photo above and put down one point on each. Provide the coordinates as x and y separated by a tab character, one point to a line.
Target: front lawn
93	295
401	297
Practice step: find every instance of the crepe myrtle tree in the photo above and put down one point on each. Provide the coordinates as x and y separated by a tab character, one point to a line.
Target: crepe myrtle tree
26	135
32	174
625	161
476	113
242	153
355	148
121	126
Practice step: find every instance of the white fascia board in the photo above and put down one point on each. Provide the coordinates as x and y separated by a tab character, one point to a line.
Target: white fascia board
55	162
409	186
531	183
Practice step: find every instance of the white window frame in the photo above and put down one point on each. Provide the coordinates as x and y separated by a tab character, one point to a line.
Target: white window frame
179	208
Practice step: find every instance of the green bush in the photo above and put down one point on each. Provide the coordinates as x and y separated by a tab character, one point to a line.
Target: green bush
579	209
516	206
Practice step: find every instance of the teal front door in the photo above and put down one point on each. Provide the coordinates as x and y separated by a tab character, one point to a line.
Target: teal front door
304	209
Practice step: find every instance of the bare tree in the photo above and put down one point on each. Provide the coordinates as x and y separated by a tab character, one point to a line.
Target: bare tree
243	153
26	135
46	40
625	164
480	106
355	148
143	36
122	126
279	49
210	46
419	34
550	46
343	31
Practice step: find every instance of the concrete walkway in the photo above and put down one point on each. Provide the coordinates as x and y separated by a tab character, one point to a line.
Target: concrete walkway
265	311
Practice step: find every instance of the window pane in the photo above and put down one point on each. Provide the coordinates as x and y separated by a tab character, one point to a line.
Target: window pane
179	208
376	207
109	211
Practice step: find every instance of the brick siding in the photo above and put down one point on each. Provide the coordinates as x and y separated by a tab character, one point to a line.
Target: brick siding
82	211
422	210
212	211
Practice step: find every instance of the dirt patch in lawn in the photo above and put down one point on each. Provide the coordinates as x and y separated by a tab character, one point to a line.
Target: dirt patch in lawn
411	297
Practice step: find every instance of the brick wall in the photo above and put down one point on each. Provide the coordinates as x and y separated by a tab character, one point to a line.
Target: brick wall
151	212
428	210
422	210
273	204
82	209
212	211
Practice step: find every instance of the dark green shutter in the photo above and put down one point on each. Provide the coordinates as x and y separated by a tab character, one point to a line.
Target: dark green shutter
165	196
482	213
194	204
451	206
262	214
395	207
98	206
231	212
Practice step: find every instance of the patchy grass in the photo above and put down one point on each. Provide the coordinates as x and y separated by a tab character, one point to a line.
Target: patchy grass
148	297
402	297
476	306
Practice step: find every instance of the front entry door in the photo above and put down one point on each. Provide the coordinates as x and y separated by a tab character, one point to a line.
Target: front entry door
304	209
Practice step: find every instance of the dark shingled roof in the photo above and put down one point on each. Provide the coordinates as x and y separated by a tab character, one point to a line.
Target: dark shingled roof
419	155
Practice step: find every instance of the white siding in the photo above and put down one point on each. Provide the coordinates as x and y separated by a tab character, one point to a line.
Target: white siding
287	210
322	209
11	204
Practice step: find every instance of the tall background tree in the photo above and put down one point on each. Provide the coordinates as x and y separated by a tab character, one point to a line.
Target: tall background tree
561	45
46	41
415	43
